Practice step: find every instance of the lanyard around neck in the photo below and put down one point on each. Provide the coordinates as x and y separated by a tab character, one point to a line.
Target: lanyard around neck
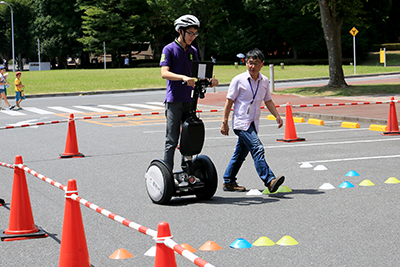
252	91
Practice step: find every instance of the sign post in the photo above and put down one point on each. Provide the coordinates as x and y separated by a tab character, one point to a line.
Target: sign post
382	56
104	44
354	32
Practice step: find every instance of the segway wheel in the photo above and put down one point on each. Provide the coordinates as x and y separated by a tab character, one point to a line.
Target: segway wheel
204	169
159	182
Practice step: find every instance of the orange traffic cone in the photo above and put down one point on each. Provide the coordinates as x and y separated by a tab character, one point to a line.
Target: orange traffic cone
392	124
71	147
21	225
290	130
165	256
73	251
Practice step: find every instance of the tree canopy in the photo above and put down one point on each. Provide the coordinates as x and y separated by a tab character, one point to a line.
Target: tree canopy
295	29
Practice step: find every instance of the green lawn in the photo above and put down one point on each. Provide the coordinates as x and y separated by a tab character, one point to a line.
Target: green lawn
61	81
392	59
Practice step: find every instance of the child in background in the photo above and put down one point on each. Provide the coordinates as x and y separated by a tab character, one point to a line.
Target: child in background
3	87
19	91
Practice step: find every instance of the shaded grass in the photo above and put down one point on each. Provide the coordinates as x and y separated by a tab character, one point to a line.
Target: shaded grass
63	81
392	59
353	90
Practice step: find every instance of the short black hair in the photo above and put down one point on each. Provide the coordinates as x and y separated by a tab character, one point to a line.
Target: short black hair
191	26
255	53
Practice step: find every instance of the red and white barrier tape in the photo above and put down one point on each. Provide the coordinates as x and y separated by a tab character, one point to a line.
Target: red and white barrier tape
140	228
11	166
144	230
42	177
32	124
198	111
340	104
186	253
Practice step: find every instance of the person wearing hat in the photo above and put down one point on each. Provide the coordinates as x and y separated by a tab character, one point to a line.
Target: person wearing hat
3	86
176	68
19	91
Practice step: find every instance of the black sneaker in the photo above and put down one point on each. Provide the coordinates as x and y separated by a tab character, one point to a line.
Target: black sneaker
276	183
233	187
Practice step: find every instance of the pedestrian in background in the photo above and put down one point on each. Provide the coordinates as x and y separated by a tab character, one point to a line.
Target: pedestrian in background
5	64
19	91
246	93
126	62
3	87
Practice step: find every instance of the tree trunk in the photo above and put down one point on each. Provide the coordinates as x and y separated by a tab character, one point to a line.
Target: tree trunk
332	26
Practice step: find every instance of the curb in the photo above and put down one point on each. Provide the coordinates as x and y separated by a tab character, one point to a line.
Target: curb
338	117
302	114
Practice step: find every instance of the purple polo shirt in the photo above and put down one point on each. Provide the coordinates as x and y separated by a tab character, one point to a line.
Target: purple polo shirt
179	61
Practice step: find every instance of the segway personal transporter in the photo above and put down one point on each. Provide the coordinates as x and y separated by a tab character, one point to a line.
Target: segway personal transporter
198	176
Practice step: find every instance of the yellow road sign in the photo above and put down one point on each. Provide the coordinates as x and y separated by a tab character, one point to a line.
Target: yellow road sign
354	31
382	56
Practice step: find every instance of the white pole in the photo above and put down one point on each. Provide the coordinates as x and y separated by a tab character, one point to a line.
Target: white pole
354	47
12	26
384	51
38	43
12	32
105	66
271	78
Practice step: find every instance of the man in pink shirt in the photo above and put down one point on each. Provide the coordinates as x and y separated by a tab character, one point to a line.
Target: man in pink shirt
246	93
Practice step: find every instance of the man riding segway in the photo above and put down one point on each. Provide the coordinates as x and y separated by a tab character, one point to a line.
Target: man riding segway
180	107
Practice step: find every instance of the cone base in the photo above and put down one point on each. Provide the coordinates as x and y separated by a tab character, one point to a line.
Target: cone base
390	133
291	140
16	237
64	156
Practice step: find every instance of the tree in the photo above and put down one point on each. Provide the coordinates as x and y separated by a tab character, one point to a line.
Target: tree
58	31
210	13
22	37
118	23
333	13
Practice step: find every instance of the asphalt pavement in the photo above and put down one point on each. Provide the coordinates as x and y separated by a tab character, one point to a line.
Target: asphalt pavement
345	226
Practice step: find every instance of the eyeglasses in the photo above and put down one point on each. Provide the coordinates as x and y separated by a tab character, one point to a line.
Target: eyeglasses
255	64
192	34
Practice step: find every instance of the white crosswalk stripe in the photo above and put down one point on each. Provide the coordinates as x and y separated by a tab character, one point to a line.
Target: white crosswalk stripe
157	104
94	109
13	112
141	107
144	106
38	110
67	110
117	107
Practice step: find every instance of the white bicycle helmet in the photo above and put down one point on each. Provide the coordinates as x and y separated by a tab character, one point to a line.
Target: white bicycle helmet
186	21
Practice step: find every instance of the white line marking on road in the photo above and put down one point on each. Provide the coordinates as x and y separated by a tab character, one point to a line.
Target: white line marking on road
67	110
13	112
349	159
156	103
25	122
117	107
143	106
333	143
38	110
94	109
